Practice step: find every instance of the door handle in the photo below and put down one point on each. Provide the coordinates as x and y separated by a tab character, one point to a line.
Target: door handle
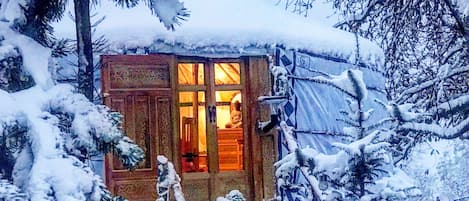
214	110
212	114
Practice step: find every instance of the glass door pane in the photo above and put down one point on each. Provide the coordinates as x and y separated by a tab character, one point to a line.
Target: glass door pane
192	117
229	122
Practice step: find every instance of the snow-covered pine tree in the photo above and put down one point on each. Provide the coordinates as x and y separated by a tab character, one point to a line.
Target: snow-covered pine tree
362	169
48	129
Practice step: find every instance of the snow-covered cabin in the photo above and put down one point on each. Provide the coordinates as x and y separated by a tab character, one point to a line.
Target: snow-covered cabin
192	94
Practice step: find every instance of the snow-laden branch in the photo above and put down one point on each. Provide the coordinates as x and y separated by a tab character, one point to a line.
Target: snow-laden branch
430	83
94	128
170	12
350	82
457	105
292	147
360	18
452	132
168	178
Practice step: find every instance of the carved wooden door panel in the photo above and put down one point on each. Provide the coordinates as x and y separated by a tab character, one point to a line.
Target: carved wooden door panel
139	87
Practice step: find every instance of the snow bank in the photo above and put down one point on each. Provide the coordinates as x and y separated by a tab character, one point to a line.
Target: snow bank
236	24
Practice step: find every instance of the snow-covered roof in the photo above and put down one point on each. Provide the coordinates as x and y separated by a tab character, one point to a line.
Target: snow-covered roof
236	24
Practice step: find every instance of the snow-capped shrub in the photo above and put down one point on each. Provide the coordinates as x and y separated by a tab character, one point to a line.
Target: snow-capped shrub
233	195
167	179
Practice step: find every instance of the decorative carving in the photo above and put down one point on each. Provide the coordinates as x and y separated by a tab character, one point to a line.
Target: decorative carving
142	135
136	190
139	76
164	127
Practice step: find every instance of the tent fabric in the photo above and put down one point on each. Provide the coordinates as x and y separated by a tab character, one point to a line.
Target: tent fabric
312	108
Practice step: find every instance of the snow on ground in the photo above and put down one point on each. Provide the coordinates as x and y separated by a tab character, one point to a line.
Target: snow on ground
237	24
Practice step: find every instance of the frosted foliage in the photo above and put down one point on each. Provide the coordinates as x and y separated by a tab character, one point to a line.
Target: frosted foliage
363	167
280	80
365	143
49	163
402	112
170	12
167	179
350	82
62	128
391	182
93	127
234	195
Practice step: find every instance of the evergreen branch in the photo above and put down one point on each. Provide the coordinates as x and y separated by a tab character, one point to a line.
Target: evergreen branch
379	124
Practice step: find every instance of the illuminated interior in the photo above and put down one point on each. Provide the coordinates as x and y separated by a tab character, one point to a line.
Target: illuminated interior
229	130
227	73
191	74
193	119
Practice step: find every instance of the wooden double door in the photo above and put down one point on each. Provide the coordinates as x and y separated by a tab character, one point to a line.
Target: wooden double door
192	111
214	144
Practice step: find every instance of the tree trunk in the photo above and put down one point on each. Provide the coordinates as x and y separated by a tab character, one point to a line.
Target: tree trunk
84	48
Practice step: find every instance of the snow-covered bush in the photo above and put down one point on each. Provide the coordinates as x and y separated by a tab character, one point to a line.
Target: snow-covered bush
47	130
233	195
167	179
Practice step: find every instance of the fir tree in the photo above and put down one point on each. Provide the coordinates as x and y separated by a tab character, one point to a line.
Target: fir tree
47	130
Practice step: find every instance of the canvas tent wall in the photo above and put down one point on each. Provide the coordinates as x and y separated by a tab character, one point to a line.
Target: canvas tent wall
312	109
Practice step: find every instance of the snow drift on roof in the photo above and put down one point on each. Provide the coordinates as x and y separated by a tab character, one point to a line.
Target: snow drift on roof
238	24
